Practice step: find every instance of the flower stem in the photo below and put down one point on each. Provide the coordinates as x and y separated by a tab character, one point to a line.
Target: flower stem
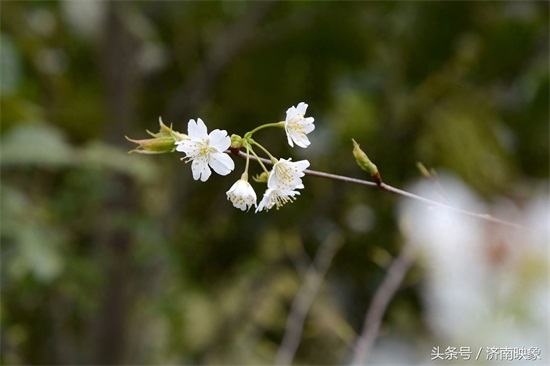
247	157
271	157
245	174
258	159
276	124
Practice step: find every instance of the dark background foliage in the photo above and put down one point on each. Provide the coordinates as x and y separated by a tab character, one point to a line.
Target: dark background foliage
109	258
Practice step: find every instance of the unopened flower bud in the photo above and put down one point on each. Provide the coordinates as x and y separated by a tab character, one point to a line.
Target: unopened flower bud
236	142
158	145
166	131
162	141
364	162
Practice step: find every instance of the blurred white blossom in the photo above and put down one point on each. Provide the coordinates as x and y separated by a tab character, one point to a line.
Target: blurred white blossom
485	284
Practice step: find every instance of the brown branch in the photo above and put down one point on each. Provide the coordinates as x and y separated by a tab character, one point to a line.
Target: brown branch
304	298
397	191
382	297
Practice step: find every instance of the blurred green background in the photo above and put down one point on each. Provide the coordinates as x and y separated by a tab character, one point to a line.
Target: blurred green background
110	258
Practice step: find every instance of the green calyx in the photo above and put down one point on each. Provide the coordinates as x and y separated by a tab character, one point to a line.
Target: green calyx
162	141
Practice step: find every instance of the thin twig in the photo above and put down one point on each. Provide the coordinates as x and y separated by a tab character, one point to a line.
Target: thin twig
304	298
382	297
397	191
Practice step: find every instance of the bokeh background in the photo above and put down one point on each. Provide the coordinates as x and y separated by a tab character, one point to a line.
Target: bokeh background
110	258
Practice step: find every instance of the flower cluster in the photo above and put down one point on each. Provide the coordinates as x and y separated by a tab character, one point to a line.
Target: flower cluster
209	151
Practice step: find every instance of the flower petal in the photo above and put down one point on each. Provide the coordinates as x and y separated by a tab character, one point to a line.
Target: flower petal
200	170
301	108
308	125
300	140
276	197
197	130
290	113
180	146
290	142
205	174
302	165
219	140
189	147
266	202
221	163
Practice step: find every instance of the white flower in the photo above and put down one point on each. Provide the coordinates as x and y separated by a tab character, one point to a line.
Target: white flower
276	197
297	126
286	175
206	150
242	195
